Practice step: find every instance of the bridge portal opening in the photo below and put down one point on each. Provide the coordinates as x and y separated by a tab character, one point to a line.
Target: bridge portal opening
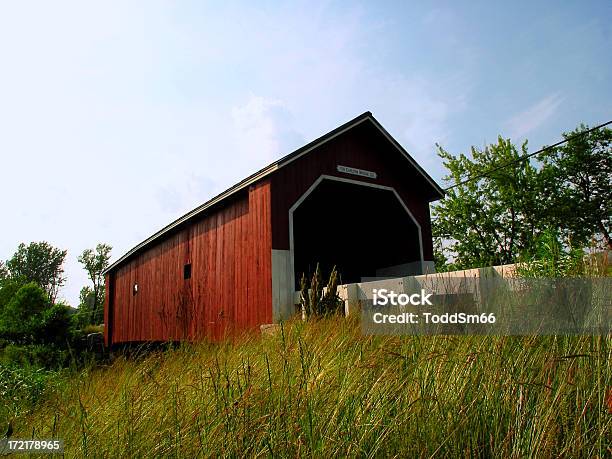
364	231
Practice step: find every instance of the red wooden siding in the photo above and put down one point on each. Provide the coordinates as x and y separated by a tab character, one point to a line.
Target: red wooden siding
362	147
230	287
229	244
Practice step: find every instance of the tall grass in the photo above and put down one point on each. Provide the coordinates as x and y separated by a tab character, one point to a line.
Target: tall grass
322	389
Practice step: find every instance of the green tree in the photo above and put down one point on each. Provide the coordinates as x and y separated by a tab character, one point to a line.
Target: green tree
492	219
22	315
95	262
34	331
87	306
41	263
577	179
8	289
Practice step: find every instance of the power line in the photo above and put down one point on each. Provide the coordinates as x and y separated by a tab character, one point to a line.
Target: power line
527	156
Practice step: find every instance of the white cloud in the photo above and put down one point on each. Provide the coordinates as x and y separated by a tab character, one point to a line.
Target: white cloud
533	117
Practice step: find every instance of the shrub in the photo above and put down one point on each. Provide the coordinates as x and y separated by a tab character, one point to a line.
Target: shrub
55	325
21	316
7	291
33	332
29	319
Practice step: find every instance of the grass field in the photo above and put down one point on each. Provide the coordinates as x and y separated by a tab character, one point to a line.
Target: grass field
322	389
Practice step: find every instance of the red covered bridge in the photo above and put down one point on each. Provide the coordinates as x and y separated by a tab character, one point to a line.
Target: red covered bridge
353	198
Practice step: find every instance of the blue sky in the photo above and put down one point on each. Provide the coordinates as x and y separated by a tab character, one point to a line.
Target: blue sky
118	117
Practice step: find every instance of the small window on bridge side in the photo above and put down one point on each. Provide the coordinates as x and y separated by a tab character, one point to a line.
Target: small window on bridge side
187	271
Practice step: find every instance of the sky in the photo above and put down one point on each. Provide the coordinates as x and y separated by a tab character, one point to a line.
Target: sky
118	117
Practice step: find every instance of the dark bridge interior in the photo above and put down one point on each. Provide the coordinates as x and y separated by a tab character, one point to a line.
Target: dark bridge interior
357	228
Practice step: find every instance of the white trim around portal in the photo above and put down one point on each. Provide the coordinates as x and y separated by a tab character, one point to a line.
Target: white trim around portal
316	183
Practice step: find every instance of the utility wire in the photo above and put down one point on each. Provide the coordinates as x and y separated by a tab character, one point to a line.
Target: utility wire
527	156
